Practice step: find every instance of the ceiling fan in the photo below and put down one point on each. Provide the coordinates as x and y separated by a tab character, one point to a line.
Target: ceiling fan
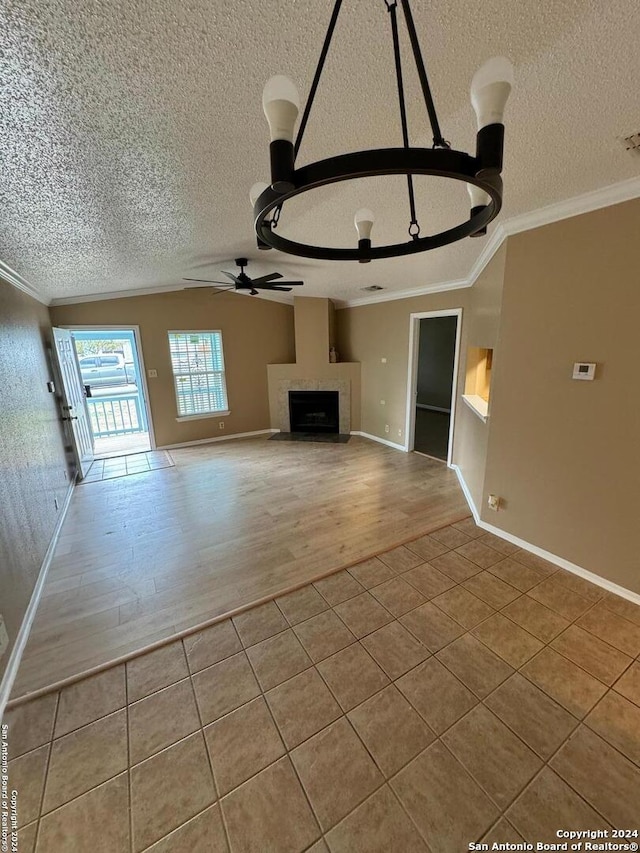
243	282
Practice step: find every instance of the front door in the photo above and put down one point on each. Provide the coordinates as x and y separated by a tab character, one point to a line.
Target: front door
73	400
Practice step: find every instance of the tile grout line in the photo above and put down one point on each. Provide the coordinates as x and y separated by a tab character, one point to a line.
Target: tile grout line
46	772
277	727
223	821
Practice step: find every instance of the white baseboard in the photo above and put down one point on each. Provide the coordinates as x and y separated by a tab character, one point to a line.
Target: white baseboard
215	440
23	634
379	440
467	494
598	580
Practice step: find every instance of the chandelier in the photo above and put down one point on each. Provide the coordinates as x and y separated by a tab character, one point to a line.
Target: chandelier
490	90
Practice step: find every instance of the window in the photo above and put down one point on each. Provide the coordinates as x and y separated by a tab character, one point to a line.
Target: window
198	372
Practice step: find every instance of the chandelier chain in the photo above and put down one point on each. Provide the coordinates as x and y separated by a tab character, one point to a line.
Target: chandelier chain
316	76
403	111
438	140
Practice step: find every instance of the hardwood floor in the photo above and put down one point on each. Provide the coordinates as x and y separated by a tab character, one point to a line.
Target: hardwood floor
145	557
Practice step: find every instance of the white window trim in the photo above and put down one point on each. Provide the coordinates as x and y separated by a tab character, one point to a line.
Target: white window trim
213	413
220	414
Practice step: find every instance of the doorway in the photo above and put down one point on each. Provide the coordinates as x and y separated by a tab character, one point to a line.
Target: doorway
433	369
112	373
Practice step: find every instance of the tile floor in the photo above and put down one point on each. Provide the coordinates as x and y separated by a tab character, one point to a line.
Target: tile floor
451	690
123	466
120	445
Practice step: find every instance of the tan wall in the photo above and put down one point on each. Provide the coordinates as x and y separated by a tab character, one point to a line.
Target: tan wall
315	329
370	333
481	323
565	454
312	329
373	332
33	463
255	332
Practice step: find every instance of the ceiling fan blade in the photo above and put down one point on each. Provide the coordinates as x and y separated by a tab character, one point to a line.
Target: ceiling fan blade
293	283
230	275
275	287
263	279
253	292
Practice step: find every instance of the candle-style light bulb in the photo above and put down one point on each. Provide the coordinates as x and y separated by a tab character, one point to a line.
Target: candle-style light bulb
363	220
281	105
479	200
490	89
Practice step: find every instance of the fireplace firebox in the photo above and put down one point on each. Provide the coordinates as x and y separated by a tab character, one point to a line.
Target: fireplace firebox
314	411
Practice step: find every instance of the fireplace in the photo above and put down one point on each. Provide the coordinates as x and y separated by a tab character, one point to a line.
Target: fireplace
314	411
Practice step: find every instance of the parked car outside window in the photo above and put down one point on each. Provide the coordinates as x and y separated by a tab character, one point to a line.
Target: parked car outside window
105	369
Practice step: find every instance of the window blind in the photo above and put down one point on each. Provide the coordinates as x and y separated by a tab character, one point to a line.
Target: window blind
197	360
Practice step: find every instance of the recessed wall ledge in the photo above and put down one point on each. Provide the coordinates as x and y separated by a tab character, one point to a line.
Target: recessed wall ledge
477	405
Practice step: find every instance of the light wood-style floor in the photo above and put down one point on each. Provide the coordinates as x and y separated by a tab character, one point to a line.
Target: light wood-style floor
145	557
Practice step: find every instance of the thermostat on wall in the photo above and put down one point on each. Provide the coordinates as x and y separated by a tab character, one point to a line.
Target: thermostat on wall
584	370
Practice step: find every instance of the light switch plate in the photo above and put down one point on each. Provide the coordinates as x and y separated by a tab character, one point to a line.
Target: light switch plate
152	374
584	370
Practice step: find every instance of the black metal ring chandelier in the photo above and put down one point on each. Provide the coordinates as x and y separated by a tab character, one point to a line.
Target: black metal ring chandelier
490	89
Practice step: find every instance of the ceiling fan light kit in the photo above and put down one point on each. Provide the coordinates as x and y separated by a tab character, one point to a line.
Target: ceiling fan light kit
490	90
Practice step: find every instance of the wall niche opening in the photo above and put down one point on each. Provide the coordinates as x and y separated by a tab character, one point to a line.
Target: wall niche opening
477	389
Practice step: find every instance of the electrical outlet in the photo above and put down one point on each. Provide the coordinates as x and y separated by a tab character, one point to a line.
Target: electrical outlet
399	433
493	502
220	424
386	428
4	637
152	374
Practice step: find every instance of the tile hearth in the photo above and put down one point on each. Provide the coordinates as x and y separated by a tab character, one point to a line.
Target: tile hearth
451	690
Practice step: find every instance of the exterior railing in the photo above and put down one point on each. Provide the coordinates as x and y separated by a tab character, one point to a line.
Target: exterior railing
122	415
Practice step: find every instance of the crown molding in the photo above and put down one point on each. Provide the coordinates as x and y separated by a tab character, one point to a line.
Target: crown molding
148	291
585	203
438	287
14	278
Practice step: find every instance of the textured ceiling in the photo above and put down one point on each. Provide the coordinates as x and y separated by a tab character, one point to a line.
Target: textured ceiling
131	131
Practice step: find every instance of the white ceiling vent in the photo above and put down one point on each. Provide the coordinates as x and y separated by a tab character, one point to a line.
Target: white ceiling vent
632	143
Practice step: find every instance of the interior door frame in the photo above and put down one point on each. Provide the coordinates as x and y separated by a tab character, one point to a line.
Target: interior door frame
125	327
412	375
